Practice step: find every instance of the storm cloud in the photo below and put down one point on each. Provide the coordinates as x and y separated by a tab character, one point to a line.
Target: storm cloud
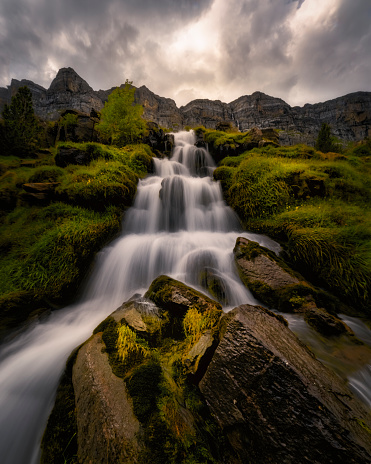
298	50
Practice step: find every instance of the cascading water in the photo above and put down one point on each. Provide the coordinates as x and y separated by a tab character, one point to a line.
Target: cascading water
179	226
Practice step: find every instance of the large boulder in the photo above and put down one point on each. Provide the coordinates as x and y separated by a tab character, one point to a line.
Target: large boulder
272	281
72	155
177	298
275	402
108	430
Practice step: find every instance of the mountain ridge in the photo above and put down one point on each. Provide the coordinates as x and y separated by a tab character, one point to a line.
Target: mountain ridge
349	116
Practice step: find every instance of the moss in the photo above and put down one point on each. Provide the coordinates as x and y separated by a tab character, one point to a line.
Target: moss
144	388
316	205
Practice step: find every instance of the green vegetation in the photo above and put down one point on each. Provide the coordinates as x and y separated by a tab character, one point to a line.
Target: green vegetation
325	142
121	121
20	131
47	243
317	205
165	401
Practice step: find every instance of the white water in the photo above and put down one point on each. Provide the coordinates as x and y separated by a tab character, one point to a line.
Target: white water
179	226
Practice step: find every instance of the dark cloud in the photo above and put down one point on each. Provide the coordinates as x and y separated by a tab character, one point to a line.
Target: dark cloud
301	51
98	38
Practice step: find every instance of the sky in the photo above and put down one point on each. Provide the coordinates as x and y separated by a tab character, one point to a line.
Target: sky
303	51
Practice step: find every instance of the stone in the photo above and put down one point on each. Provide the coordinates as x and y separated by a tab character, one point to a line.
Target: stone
71	155
273	283
275	402
177	298
39	193
144	317
108	430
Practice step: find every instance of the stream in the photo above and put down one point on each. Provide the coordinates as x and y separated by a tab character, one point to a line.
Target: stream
180	226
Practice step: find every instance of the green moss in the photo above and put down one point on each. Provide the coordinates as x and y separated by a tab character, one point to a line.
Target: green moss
316	205
144	387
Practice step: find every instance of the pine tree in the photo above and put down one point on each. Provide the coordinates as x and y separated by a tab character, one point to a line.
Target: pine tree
121	122
325	141
20	131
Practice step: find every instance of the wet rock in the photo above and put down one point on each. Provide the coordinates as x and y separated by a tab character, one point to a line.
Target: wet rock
108	430
157	139
177	298
144	317
275	401
199	356
272	281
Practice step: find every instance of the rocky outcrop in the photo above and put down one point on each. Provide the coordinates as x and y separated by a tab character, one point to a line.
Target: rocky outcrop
159	141
272	281
275	402
133	390
349	116
161	110
207	113
72	155
68	90
108	429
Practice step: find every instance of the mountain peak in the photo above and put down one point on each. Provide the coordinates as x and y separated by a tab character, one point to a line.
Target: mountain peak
67	80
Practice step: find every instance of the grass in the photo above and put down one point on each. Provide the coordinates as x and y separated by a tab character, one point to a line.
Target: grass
47	247
317	205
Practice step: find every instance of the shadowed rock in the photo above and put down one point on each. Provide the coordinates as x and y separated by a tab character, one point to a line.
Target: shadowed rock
275	402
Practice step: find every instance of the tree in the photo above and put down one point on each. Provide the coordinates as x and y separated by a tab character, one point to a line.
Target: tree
325	142
20	131
121	122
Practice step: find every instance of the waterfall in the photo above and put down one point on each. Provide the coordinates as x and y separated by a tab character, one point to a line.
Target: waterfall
179	225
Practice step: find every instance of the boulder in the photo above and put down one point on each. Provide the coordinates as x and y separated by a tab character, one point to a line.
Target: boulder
271	280
71	155
108	430
157	139
177	298
275	402
38	192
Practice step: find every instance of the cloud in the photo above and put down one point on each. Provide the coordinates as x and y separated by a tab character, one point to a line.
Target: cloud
301	51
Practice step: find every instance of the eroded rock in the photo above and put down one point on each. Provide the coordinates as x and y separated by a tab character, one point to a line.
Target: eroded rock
275	401
108	430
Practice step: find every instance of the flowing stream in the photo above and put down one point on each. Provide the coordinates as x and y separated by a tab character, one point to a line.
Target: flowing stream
179	226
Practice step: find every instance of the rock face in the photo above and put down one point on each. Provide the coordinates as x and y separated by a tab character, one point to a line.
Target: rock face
275	401
349	116
108	429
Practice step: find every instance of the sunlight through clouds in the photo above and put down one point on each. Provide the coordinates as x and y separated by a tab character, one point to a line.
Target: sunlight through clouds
298	50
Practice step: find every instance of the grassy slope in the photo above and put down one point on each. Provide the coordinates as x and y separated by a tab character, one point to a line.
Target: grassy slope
317	205
46	250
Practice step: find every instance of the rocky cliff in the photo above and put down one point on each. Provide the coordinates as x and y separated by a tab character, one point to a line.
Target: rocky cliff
349	116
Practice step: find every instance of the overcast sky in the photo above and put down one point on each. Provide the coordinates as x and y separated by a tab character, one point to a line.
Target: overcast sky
303	51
